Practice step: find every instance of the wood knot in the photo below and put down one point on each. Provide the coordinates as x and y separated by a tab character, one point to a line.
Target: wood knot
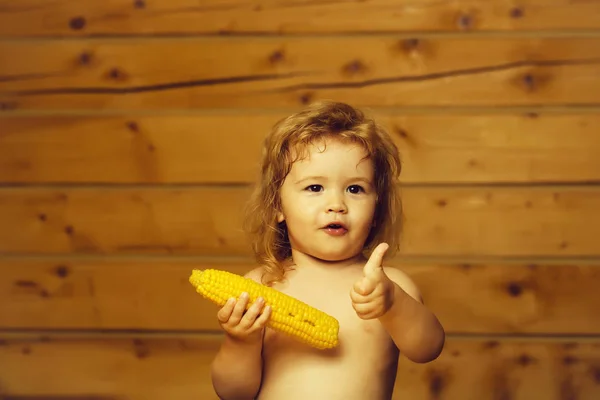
556	196
69	230
133	126
442	203
437	383
62	271
354	67
116	74
569	360
400	132
139	4
276	57
140	348
410	45
42	217
595	372
5	105
525	360
516	12
22	283
306	98
529	82
85	58
464	22
491	344
77	23
514	289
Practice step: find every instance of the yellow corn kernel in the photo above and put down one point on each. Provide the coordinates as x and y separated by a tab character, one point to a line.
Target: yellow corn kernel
288	315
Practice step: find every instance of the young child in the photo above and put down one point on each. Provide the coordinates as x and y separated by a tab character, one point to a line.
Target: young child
323	215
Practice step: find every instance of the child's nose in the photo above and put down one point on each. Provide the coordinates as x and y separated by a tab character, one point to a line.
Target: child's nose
336	204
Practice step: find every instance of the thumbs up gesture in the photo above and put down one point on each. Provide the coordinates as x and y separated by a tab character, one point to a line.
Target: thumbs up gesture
373	295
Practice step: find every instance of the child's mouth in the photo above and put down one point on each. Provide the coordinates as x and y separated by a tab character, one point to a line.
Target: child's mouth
335	230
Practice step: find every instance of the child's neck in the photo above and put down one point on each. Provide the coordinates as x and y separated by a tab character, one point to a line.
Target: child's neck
303	260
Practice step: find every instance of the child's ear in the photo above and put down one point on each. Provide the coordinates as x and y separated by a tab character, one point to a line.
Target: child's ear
280	217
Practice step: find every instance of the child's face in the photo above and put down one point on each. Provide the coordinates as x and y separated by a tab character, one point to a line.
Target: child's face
335	185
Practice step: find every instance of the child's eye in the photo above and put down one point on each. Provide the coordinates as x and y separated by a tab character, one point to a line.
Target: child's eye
355	189
314	188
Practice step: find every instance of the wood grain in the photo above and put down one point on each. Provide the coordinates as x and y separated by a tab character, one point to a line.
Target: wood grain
187	17
216	148
155	295
289	72
440	221
133	368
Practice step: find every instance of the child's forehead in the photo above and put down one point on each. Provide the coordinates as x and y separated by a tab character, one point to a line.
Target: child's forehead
304	150
331	156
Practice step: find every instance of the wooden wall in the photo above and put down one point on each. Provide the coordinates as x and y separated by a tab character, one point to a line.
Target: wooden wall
130	130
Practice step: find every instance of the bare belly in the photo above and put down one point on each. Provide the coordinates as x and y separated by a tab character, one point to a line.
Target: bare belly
292	371
363	367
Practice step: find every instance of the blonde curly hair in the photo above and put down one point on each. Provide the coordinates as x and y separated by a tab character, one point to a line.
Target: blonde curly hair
324	119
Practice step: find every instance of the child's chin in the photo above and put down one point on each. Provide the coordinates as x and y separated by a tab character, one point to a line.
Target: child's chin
335	256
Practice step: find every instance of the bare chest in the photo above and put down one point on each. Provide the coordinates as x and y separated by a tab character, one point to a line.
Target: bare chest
362	366
333	297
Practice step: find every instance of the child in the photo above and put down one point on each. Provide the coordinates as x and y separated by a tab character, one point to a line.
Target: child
327	197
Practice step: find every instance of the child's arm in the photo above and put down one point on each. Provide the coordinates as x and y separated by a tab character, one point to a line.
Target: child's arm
416	331
392	298
236	371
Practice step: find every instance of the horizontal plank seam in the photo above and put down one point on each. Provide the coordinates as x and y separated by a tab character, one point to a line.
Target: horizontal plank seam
165	334
116	186
278	35
229	260
533	109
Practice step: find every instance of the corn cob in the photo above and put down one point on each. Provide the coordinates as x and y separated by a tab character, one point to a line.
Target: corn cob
288	315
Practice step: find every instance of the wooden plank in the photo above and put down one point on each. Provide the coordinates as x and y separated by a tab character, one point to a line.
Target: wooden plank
440	221
153	294
435	148
186	17
289	72
134	369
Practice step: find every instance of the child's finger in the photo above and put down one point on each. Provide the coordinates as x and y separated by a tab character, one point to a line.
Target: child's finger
225	311
357	297
264	317
362	310
252	313
364	286
238	310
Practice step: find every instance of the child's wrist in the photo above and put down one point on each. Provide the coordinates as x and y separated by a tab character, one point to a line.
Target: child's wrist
244	342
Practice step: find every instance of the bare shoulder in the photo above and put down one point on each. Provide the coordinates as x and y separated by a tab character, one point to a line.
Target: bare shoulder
255	274
405	282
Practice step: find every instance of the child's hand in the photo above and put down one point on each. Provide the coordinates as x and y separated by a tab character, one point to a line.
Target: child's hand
244	326
373	294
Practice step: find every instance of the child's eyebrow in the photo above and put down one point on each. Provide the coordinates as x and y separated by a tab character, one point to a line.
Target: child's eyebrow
311	178
316	178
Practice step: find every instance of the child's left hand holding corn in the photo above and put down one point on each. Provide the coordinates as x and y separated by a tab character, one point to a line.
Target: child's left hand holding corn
373	295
